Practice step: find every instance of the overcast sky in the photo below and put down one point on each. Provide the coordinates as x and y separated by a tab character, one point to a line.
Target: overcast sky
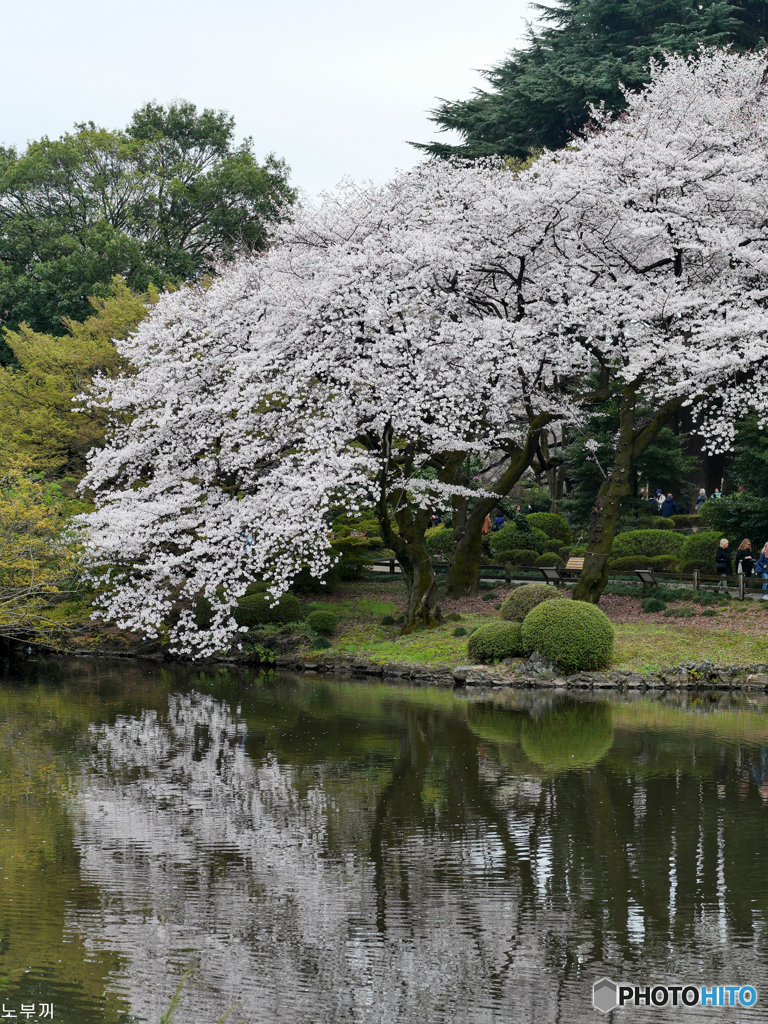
335	87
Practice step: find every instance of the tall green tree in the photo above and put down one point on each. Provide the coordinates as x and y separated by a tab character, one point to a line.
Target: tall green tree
161	201
582	53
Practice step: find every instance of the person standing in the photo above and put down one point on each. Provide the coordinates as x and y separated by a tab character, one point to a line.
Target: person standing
700	498
761	568
744	560
669	506
717	493
723	562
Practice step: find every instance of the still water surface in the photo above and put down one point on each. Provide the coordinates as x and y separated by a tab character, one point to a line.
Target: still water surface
345	852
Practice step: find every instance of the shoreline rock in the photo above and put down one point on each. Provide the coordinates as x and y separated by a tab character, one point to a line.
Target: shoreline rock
535	673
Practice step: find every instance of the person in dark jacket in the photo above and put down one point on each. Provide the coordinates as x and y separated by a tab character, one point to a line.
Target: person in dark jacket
761	568
669	506
723	561
744	560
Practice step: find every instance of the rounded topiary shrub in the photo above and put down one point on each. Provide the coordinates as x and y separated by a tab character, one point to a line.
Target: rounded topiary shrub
259	587
573	635
520	601
306	583
512	538
323	620
495	640
256	610
553	525
647	543
687	522
549	558
321	643
653	604
699	551
662	563
522	557
564	552
439	541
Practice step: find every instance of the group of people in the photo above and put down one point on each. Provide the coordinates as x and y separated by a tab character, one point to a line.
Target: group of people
666	504
747	564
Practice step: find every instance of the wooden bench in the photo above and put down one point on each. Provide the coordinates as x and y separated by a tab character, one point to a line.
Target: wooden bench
574	566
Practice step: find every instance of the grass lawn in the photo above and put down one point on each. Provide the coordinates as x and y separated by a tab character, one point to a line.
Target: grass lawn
647	646
733	637
426	647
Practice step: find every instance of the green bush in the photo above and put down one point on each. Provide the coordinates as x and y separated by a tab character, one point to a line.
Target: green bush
523	557
520	601
688	522
255	610
662	523
323	620
565	553
653	604
306	583
738	516
699	551
259	587
573	635
662	563
494	641
646	543
459	631
679	613
388	620
553	525
709	612
704	599
321	643
439	541
490	596
549	558
512	538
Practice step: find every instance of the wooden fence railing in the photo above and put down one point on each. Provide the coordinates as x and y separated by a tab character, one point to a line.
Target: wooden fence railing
743	585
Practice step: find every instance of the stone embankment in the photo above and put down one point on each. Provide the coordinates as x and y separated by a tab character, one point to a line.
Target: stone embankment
535	672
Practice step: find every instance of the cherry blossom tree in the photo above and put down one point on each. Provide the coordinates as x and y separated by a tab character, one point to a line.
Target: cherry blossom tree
647	254
360	359
658	224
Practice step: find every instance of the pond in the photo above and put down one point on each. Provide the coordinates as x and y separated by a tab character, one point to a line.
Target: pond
329	851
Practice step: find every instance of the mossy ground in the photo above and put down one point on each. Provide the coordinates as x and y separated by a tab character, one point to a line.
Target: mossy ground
734	636
639	645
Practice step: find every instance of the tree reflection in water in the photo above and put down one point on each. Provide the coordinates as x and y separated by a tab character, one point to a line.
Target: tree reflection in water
331	852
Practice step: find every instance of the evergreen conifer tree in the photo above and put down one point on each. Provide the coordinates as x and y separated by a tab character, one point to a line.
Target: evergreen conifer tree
582	53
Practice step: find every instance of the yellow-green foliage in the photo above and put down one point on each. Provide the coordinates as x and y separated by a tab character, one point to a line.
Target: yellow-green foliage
37	421
573	635
495	641
258	609
323	620
439	541
520	601
39	559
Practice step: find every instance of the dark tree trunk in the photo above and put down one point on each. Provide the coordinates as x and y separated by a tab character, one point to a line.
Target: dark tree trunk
404	532
464	569
633	440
